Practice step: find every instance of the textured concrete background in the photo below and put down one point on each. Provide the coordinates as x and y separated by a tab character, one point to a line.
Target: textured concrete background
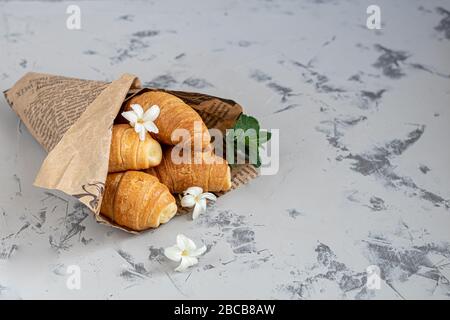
364	166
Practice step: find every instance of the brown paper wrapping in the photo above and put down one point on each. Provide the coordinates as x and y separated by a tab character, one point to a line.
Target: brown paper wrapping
72	119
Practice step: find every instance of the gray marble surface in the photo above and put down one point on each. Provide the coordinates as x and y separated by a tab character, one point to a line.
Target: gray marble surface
364	173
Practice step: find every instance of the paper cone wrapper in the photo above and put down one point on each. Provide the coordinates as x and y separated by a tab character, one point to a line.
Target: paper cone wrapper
73	118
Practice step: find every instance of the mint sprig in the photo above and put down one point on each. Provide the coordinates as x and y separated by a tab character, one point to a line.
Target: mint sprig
245	123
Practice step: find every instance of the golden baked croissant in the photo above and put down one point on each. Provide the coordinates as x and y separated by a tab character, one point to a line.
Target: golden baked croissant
128	152
137	200
210	172
174	114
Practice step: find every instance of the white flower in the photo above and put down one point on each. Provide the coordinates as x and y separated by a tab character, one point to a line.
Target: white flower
193	197
141	121
186	251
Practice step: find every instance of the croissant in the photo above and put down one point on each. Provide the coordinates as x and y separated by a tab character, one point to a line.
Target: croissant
128	152
174	114
137	200
205	170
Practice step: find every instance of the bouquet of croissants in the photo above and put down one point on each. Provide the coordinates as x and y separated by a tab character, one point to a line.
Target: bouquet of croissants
143	176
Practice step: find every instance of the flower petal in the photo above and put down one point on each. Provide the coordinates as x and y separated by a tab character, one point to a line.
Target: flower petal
188	201
202	203
138	127
173	253
142	134
152	113
209	196
138	109
186	262
184	243
199	208
195	191
198	252
130	116
151	127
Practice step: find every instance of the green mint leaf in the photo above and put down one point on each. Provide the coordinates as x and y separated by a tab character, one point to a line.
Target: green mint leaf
247	122
264	136
258	162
